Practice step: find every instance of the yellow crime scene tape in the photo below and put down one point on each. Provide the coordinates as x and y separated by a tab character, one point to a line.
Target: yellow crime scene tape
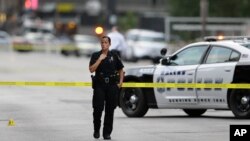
30	47
127	84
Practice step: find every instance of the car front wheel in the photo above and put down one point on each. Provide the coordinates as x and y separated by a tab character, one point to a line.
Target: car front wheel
240	103
133	102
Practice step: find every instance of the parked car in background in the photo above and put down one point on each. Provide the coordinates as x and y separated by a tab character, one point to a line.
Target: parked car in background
5	41
34	42
144	44
34	35
86	44
21	44
67	46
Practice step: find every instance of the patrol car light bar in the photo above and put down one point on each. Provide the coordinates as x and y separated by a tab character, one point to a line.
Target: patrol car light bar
234	38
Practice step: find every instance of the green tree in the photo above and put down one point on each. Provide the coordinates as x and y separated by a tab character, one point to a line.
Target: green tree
188	8
229	8
216	8
129	20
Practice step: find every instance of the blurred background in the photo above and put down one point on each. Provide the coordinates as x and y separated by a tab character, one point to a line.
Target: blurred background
72	27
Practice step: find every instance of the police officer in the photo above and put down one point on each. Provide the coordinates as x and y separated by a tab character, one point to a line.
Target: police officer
118	41
108	80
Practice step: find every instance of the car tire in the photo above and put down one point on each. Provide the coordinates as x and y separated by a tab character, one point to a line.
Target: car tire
133	102
134	59
129	55
77	53
239	101
194	112
65	53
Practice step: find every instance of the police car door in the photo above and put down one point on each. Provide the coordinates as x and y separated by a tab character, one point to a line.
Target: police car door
218	67
181	68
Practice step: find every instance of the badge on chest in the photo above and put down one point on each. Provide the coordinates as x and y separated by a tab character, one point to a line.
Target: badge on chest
111	59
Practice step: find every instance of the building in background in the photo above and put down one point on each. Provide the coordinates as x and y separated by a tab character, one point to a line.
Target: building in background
86	13
107	12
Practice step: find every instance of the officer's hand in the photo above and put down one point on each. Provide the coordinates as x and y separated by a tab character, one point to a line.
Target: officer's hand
102	56
119	85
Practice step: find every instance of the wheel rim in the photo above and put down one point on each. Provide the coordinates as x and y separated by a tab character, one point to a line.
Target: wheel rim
242	102
130	99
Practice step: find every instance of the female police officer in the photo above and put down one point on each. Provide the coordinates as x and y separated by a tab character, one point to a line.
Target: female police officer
108	80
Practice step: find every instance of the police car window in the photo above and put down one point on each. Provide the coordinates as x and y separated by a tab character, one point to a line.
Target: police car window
235	56
219	55
189	56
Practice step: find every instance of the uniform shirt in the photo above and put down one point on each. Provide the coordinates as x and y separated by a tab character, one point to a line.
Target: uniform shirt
111	64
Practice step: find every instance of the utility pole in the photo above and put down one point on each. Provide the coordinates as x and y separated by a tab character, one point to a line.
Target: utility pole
2	12
111	11
2	5
203	14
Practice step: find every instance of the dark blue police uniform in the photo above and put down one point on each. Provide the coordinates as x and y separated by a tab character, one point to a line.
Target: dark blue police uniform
105	90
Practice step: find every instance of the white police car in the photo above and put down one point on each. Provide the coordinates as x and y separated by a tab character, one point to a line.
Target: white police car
202	62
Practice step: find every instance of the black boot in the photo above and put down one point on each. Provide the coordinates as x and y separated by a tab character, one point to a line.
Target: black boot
106	137
96	134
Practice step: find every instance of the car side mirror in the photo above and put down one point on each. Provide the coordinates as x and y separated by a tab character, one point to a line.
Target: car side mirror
163	51
165	61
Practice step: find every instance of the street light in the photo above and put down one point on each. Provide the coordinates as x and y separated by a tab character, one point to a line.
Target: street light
203	14
99	30
112	19
2	17
2	13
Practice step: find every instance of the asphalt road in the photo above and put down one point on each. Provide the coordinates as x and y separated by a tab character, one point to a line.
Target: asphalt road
65	113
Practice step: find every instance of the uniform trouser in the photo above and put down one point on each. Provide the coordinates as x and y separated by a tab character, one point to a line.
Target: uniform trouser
104	95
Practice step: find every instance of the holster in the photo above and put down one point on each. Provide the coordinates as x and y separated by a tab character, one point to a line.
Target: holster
93	81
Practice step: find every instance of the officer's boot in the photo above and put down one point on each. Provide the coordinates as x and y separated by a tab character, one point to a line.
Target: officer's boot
108	123
97	114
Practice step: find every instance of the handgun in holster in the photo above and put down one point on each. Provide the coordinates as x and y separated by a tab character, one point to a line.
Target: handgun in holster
93	81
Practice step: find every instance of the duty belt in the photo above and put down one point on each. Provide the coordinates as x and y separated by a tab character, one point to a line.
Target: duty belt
107	79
